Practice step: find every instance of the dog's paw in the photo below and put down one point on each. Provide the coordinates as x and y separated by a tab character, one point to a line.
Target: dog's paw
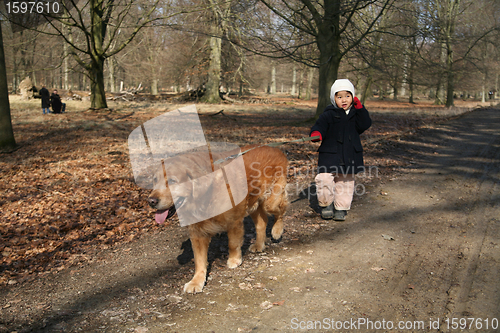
277	232
193	287
257	248
234	262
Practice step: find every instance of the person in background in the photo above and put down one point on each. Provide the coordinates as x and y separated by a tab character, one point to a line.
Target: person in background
57	105
45	96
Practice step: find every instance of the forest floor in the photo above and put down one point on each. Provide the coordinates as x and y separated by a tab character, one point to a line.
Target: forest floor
419	251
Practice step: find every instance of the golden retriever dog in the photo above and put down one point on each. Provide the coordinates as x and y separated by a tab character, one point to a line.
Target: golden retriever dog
266	172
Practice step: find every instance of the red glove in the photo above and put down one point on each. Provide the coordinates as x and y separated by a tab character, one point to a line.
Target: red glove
316	133
357	104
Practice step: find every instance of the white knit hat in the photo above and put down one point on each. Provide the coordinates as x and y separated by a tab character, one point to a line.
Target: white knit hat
341	85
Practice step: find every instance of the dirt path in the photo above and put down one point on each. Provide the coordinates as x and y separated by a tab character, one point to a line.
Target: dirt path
420	249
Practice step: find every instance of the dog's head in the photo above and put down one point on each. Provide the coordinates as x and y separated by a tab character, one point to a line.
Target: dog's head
195	188
169	174
173	185
161	198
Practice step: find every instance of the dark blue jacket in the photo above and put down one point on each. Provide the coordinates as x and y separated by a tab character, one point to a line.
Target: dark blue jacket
340	151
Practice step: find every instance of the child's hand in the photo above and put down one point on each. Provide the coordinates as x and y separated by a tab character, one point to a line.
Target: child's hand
316	133
357	103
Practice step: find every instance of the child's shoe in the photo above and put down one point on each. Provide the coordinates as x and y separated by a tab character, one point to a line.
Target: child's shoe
327	212
339	215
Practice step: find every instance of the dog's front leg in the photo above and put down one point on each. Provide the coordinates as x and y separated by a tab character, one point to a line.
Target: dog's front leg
235	236
200	250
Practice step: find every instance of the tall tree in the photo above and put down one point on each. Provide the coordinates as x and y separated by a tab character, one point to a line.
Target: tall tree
93	27
335	26
454	33
216	20
448	11
94	49
7	140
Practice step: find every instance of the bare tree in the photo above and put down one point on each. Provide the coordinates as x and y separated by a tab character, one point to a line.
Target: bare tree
92	27
7	140
218	15
335	27
433	44
453	32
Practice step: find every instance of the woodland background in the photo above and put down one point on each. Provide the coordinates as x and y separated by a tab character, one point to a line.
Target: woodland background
399	49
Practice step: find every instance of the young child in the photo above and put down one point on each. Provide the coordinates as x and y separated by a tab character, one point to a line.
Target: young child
340	153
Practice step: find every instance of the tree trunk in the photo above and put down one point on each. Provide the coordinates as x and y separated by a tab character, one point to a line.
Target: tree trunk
328	41
411	73
7	140
395	89
310	77
450	89
97	91
301	79
66	66
439	97
484	92
450	77
96	68
405	73
383	91
14	81
154	87
451	15
273	80
365	93
328	71
410	83
84	82
112	79
214	70
497	93
212	94
294	80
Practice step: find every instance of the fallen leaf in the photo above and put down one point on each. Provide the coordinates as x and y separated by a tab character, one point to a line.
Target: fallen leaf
245	286
387	237
377	269
266	305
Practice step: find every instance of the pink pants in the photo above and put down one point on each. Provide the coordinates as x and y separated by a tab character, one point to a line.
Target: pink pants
338	190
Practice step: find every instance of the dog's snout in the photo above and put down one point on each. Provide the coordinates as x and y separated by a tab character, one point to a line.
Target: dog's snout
153	201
